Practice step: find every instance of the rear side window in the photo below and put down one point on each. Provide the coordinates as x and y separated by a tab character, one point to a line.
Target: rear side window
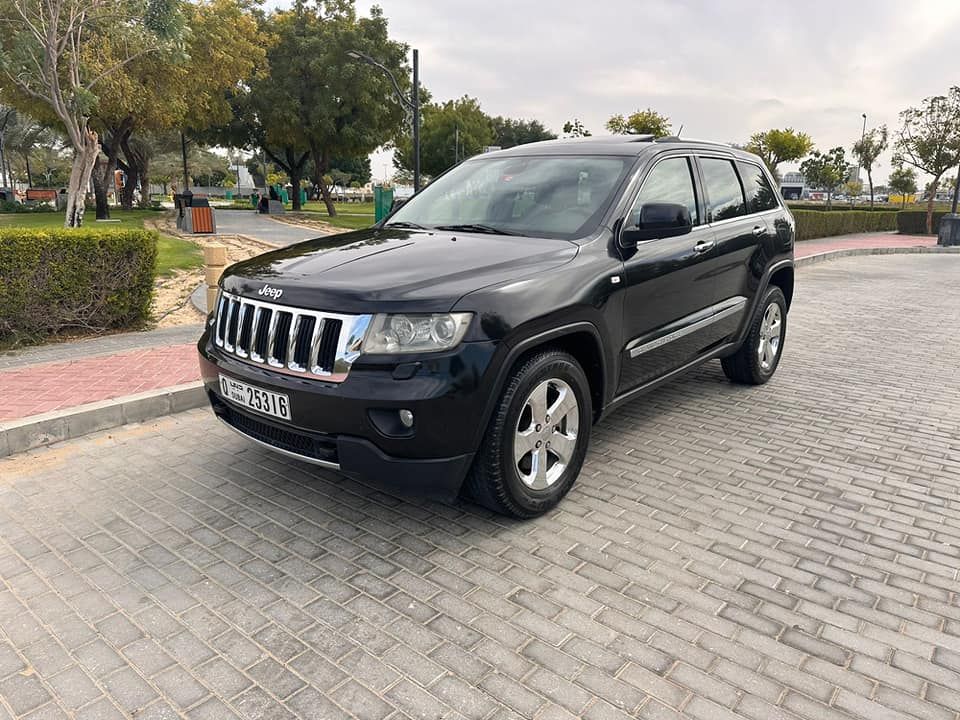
670	181
723	189
760	195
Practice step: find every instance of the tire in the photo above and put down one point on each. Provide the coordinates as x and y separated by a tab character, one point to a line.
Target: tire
519	486
754	364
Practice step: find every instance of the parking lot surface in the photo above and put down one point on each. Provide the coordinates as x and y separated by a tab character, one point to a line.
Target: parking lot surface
789	551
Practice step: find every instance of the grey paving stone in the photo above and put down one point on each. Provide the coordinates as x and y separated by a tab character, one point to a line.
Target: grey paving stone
779	553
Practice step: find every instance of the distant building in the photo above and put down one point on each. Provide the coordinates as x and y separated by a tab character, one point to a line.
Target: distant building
793	186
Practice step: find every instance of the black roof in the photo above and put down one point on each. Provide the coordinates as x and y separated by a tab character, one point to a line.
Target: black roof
634	145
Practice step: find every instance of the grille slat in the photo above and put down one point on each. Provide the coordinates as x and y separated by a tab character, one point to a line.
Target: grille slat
290	340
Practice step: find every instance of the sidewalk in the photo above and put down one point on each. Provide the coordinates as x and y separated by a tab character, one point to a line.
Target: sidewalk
53	381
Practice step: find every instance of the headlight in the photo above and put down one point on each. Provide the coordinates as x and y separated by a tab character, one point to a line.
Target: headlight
389	334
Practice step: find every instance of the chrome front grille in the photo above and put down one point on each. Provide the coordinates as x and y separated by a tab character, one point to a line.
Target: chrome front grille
289	340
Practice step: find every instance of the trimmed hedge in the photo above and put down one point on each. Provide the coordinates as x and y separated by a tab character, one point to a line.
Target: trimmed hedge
842	207
817	224
53	281
914	222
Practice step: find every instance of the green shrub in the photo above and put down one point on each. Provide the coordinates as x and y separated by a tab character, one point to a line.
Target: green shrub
842	207
81	280
816	224
12	207
914	222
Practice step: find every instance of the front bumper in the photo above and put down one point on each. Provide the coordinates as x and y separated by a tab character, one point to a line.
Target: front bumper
341	425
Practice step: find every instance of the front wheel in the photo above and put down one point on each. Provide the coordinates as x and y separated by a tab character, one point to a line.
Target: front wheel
536	441
757	359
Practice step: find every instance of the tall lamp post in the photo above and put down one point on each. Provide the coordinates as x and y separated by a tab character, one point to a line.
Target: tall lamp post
863	134
413	104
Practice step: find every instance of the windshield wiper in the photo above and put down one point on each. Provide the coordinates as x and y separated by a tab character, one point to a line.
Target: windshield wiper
404	224
476	228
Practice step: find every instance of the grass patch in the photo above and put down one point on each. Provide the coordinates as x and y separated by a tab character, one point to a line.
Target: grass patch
177	254
317	206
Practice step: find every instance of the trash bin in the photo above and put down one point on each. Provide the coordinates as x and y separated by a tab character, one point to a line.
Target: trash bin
949	233
382	202
228	194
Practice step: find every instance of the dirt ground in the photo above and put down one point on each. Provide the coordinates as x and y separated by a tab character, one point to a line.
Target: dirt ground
171	299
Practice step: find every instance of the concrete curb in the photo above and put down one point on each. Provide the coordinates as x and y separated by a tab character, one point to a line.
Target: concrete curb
38	430
849	252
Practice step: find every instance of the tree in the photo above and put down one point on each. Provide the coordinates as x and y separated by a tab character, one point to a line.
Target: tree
825	170
779	146
903	182
49	58
868	149
853	189
311	103
449	133
181	87
929	140
642	122
575	128
508	132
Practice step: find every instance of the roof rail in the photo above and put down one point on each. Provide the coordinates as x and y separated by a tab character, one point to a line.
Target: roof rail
675	138
614	138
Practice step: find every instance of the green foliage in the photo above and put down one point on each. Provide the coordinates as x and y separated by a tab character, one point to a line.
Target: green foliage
52	281
12	207
868	149
779	146
450	132
914	222
509	132
813	224
825	170
575	128
642	122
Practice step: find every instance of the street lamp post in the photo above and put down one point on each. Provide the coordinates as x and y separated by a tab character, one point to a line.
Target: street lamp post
413	104
863	134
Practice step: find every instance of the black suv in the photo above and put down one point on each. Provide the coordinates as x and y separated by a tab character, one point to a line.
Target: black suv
473	337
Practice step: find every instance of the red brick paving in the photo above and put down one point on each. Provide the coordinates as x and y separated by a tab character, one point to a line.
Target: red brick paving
866	240
45	387
42	388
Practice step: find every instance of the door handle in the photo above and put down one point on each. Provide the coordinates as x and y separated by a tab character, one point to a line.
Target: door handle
704	246
758	230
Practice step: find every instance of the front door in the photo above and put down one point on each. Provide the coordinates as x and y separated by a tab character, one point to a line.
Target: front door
670	283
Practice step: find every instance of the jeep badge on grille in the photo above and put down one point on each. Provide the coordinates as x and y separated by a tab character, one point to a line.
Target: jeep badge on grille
270	292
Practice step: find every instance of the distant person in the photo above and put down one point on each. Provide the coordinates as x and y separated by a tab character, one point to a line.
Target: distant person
274	195
263	206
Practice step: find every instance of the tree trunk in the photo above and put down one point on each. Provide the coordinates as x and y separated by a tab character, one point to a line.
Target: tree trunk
83	160
104	168
295	175
144	171
321	164
26	160
126	196
931	199
870	180
829	199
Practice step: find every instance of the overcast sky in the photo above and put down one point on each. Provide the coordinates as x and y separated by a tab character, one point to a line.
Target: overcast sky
721	68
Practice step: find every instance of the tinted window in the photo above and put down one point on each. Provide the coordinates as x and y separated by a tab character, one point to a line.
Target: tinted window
561	196
670	181
723	189
760	195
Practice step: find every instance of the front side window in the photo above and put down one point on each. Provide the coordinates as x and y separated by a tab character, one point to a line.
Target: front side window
560	196
670	181
756	187
723	189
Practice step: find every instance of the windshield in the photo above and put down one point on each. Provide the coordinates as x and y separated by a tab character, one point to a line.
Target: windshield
559	196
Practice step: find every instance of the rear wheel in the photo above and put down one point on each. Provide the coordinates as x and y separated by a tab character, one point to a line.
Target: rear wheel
536	441
757	359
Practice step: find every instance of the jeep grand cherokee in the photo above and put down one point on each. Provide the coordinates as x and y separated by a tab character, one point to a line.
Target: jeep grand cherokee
472	338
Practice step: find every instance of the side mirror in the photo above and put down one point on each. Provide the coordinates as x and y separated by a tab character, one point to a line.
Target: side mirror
398	203
655	221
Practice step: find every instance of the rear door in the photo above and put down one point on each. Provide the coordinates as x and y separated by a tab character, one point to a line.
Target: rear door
737	233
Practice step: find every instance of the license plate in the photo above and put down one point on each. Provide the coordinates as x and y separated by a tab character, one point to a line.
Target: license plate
250	396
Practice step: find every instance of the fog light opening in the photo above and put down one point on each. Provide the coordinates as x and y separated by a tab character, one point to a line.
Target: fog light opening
406	418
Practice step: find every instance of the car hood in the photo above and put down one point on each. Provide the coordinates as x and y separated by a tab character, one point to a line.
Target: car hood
391	269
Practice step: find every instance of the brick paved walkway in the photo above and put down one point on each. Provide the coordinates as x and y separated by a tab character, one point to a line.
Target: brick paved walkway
785	552
34	389
862	241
